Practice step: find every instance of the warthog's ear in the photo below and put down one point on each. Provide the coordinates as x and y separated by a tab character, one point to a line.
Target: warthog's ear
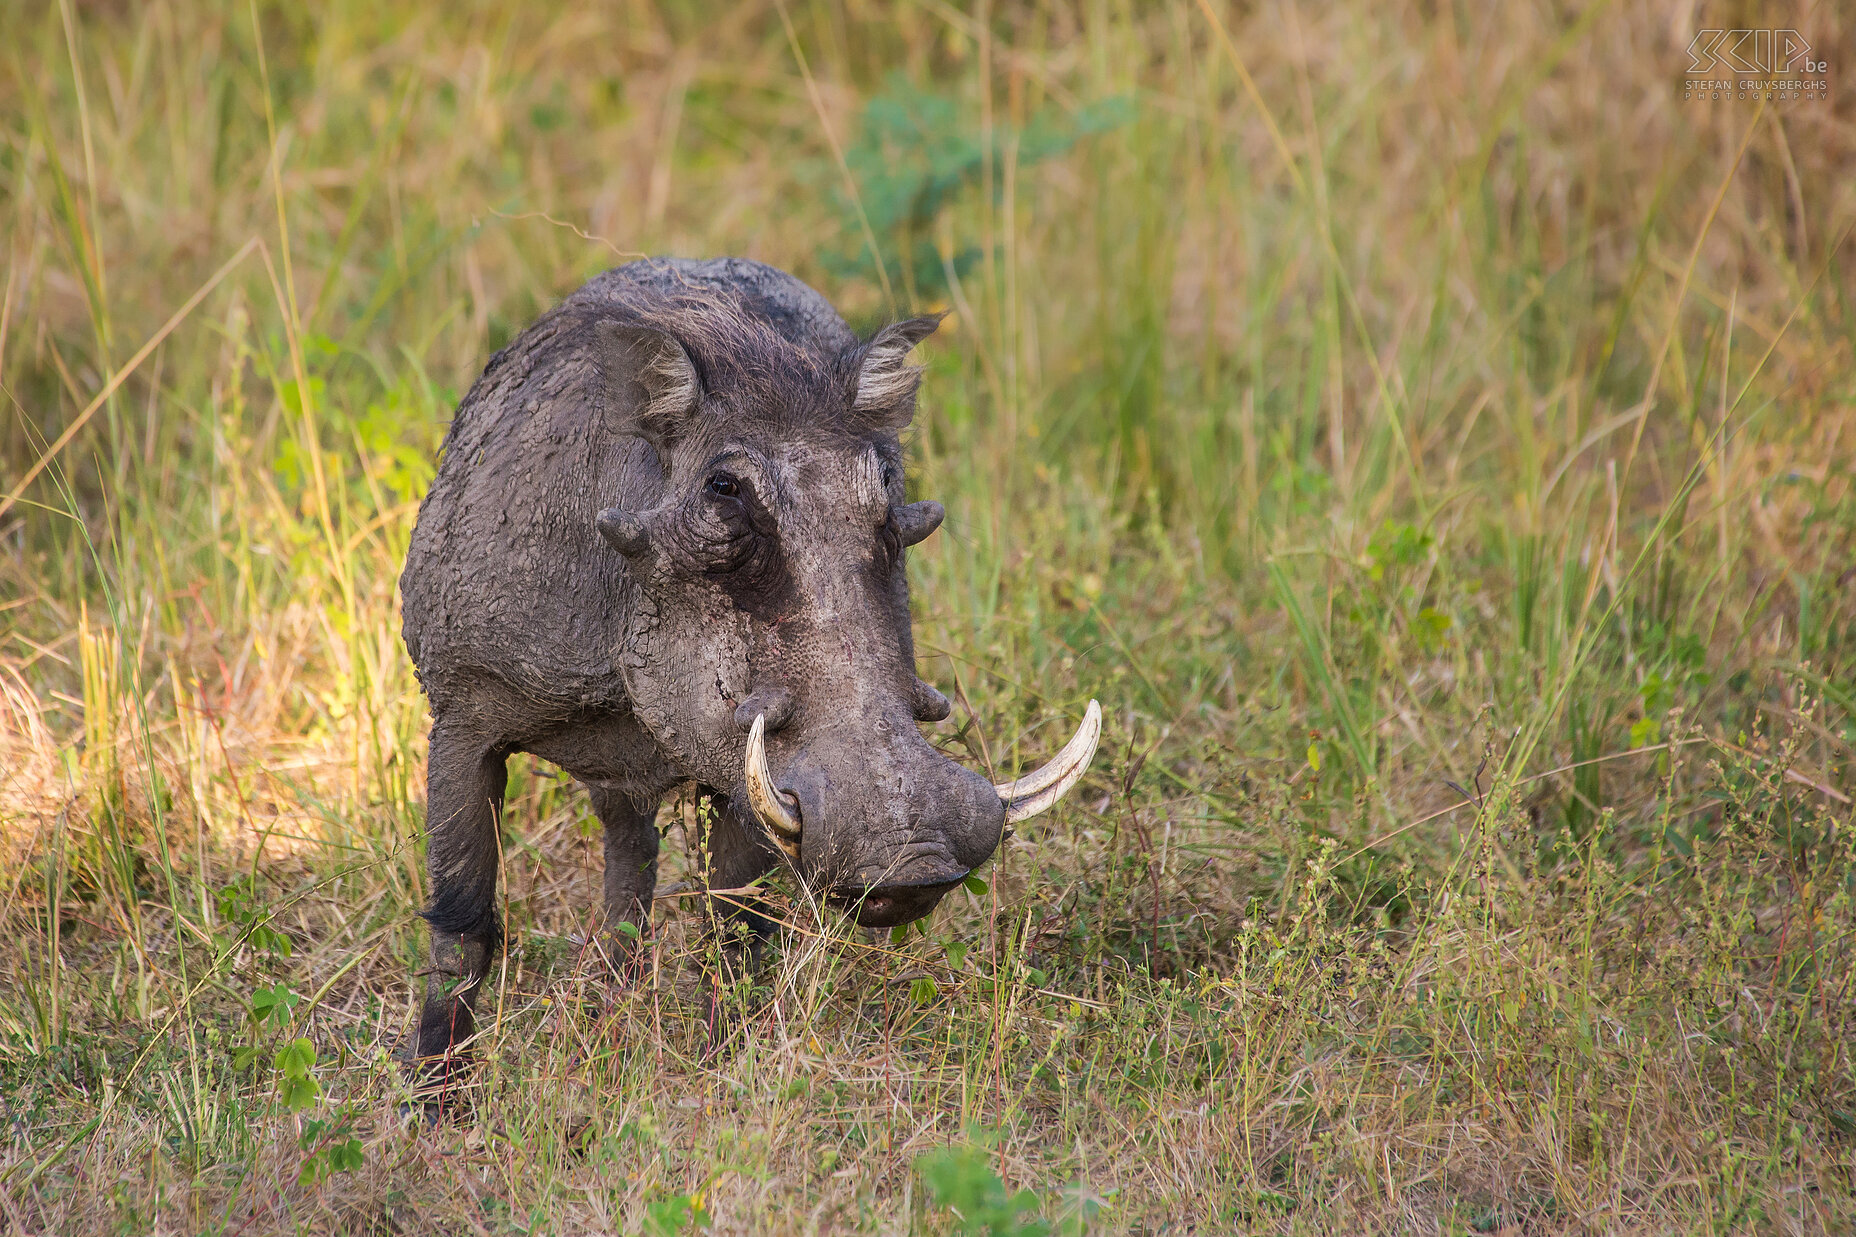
650	379
886	382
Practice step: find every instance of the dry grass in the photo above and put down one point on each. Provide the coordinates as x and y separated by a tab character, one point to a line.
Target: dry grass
1427	433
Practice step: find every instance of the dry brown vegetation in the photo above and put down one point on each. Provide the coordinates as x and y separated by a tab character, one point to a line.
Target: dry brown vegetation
1427	432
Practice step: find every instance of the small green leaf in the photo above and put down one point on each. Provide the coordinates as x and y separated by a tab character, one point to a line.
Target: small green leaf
923	991
298	1093
957	954
679	1213
274	1004
296	1058
976	886
627	929
270	941
312	1170
1430	627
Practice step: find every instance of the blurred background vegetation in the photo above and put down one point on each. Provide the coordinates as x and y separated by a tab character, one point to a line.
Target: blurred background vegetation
1427	431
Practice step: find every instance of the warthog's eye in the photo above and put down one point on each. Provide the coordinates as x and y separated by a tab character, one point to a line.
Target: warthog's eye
724	486
889	476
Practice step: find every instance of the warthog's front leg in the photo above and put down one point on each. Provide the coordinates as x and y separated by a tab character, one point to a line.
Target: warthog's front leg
465	782
631	873
738	853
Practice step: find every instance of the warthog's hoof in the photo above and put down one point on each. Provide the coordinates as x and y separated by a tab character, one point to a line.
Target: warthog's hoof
440	1089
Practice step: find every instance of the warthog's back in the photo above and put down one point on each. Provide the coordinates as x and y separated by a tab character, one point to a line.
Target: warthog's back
791	308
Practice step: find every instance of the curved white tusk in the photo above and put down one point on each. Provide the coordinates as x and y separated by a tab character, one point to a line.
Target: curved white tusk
1041	788
771	806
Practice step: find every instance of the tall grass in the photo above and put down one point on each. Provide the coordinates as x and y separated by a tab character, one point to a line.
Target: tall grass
1427	432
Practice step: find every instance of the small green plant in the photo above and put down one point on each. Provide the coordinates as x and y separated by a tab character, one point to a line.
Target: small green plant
915	155
961	1180
679	1213
243	916
271	1006
331	1148
295	1062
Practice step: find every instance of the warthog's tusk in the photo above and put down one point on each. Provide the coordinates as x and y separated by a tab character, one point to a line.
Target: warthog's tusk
1041	788
772	807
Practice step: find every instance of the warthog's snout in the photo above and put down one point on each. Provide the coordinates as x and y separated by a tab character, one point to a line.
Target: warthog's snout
889	829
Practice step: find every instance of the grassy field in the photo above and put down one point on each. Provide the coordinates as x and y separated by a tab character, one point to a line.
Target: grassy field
1430	435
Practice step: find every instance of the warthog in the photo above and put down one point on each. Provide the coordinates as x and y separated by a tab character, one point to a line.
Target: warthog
665	544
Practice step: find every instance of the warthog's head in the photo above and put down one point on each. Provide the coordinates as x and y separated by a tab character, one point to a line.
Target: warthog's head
769	650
